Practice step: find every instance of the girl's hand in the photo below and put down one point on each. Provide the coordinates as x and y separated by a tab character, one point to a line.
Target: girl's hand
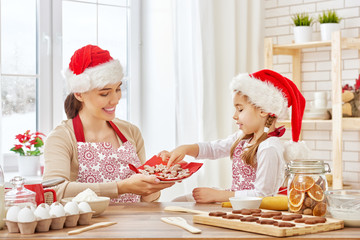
141	185
178	154
210	195
173	157
165	155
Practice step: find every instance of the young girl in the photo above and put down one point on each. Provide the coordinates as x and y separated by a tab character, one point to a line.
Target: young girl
93	149
258	154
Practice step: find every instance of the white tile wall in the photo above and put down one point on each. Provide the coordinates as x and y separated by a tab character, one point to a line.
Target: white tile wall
316	73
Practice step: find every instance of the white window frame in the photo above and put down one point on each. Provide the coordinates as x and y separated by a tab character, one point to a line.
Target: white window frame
51	82
51	111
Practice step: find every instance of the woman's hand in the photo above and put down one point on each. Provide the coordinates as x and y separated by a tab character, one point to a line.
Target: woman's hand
211	195
141	185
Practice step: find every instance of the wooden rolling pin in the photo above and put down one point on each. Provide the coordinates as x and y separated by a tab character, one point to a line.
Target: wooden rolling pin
93	226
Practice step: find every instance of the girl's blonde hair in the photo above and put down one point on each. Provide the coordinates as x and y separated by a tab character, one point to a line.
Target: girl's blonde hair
248	154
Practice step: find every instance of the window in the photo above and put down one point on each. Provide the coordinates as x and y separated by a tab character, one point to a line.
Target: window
37	42
103	23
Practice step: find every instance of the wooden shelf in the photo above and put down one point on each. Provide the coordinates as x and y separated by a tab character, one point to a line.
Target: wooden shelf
351	123
338	123
303	45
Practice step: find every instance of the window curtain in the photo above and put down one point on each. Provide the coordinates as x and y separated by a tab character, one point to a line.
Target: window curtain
212	41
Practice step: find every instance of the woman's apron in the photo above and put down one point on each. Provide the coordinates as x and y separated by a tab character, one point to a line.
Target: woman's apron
100	162
244	175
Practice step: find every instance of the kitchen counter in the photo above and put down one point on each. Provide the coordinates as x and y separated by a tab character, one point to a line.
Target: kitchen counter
142	221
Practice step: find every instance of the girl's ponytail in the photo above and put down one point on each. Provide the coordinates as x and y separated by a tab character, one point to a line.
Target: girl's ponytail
248	155
72	106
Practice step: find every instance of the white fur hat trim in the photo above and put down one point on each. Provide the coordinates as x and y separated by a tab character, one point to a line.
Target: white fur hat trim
296	151
261	94
94	77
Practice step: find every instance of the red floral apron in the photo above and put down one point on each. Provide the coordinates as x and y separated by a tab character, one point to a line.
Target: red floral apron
100	162
244	175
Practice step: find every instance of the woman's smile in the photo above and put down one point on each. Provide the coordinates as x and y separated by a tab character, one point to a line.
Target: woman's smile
110	110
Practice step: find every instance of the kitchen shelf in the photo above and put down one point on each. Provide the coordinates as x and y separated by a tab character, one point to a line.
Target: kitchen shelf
338	123
350	123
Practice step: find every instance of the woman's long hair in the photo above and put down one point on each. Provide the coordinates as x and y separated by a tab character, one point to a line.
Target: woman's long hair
248	154
72	106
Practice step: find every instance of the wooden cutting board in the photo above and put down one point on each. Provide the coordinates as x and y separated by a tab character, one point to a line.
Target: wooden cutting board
299	229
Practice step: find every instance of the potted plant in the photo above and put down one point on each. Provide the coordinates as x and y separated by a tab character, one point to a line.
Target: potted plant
28	147
329	23
303	27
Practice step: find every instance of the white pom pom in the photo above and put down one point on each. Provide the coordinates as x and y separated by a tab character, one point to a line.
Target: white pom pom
296	150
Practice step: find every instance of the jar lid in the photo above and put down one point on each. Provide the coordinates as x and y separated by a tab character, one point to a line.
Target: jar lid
308	166
19	194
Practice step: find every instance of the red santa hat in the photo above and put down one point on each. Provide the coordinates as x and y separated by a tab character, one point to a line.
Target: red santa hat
92	67
274	94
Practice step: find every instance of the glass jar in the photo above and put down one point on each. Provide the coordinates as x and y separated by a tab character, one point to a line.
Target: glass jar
19	195
306	187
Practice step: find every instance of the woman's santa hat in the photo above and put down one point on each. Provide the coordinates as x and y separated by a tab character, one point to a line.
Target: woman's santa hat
274	93
92	67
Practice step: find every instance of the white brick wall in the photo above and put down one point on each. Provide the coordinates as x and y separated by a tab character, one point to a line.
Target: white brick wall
316	71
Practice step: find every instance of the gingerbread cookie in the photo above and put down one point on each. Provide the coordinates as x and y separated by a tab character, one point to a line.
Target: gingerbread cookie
296	216
266	221
287	218
249	219
284	224
256	214
232	216
237	211
255	210
246	212
217	214
278	217
300	220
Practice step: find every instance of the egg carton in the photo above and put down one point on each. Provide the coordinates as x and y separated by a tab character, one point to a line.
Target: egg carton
45	225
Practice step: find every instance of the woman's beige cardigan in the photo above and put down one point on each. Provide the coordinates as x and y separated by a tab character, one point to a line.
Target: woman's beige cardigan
61	159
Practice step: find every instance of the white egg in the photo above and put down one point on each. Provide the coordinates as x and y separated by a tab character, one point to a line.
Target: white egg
57	210
84	207
41	212
71	208
12	213
45	205
32	208
26	215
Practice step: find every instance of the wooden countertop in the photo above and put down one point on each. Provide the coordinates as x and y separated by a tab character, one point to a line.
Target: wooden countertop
142	221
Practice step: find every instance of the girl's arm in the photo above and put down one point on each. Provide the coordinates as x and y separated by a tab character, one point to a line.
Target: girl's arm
218	148
211	195
209	150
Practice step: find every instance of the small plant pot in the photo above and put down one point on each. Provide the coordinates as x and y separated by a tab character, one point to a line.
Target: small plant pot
29	165
327	29
302	34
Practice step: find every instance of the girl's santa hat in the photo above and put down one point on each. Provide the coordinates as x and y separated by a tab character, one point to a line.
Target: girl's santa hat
92	67
274	93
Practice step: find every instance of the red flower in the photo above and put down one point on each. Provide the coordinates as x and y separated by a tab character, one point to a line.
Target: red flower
30	141
17	146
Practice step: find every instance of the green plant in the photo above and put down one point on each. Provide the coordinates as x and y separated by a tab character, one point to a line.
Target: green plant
29	144
329	16
302	19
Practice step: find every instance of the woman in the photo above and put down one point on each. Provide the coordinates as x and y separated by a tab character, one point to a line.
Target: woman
92	149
